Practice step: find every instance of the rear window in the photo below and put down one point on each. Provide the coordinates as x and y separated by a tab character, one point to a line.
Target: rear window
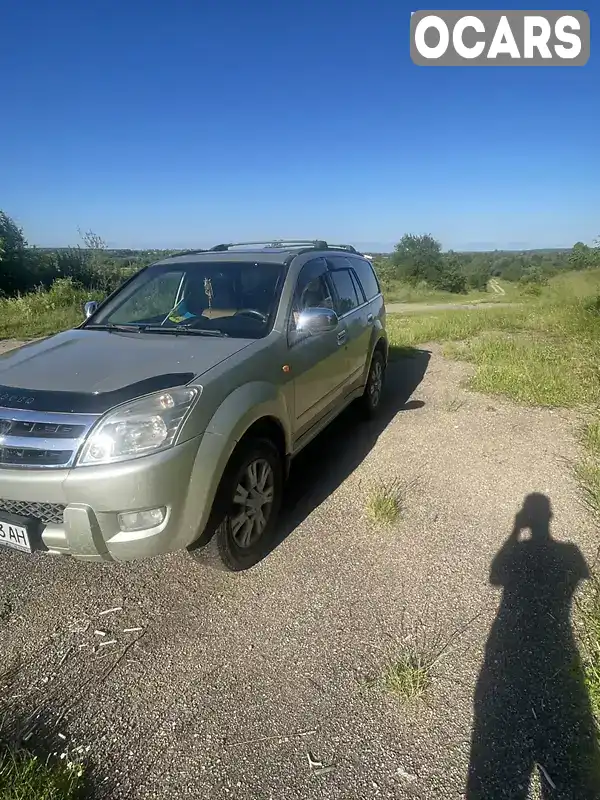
346	291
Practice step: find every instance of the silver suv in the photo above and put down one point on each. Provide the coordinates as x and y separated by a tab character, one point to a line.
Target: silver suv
169	417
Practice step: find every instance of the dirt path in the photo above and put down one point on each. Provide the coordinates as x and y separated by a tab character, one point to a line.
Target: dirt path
238	677
9	344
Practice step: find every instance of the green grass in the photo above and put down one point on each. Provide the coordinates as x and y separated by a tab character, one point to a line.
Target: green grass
542	371
401	292
563	287
414	661
43	313
408	676
588	628
437	326
544	353
592	437
588	470
573	285
386	500
25	777
384	504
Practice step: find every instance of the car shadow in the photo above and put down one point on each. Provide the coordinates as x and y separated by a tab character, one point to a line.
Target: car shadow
532	709
337	451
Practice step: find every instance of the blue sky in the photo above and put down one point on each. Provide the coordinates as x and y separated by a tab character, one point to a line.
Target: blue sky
196	121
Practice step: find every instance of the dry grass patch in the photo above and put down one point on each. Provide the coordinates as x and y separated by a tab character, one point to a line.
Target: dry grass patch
412	664
386	500
408	676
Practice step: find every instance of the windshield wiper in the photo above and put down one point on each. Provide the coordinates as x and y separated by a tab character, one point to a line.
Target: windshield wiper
182	331
111	326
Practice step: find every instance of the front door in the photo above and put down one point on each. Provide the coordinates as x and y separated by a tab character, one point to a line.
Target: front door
318	362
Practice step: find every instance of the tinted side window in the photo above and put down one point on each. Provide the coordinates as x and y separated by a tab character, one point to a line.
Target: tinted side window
346	291
359	290
312	289
367	277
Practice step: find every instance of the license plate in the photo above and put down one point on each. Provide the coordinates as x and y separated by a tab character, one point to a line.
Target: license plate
15	536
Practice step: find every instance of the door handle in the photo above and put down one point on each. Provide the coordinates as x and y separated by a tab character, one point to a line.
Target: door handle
369	318
341	337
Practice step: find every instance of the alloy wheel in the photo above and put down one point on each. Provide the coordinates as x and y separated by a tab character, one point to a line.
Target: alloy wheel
376	383
252	500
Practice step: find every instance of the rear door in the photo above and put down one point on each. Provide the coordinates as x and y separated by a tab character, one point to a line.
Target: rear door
353	309
371	288
372	291
317	362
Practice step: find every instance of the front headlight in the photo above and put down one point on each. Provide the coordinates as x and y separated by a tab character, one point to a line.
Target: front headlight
139	427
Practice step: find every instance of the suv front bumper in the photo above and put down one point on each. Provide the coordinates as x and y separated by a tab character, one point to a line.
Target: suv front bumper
94	496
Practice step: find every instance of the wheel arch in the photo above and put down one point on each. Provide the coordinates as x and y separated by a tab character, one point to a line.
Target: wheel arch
266	427
382	346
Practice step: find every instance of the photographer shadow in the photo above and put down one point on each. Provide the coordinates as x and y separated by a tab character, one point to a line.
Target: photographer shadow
532	710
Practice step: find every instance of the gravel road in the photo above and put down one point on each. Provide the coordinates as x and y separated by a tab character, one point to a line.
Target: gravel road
237	678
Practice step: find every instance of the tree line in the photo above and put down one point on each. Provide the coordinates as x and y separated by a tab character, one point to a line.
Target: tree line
417	259
89	263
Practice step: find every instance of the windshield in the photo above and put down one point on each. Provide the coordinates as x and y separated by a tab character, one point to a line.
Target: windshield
237	299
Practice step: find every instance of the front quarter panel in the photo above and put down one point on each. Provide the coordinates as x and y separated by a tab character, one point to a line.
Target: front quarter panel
244	406
247	404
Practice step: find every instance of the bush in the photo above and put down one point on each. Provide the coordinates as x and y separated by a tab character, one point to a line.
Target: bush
478	280
452	280
451	277
386	272
418	258
65	293
531	289
533	277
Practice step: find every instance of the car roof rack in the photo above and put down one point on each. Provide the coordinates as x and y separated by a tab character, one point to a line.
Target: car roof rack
348	247
187	253
318	244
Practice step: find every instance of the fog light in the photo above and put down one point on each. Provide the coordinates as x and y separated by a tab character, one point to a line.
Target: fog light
138	520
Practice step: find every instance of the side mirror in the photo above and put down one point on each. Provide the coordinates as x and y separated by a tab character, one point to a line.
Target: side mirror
317	320
90	308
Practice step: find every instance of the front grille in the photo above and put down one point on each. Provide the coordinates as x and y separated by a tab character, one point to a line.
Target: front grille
45	512
40	429
32	457
34	439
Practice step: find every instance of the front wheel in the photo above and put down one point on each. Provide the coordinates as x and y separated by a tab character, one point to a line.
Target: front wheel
371	398
250	500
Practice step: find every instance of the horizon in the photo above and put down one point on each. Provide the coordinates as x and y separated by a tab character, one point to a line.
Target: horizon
365	247
147	131
358	245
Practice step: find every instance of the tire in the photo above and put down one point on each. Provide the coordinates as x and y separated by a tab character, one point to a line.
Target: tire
371	398
245	533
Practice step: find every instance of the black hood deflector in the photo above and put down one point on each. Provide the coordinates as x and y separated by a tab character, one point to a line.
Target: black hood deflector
88	402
